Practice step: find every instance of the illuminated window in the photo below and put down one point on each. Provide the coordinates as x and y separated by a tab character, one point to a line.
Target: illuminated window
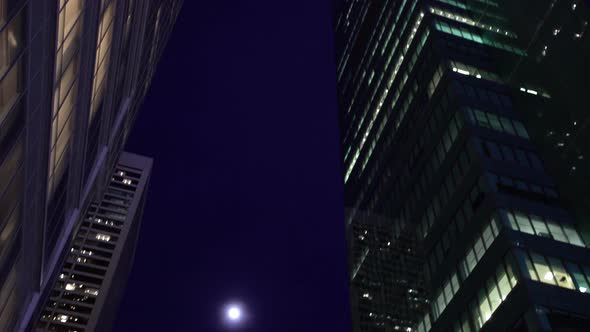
102	60
504	285
466	20
10	41
554	271
534	225
10	90
523	223
476	37
435	80
543	269
490	296
11	85
103	237
91	291
561	276
384	94
485	310
572	235
579	278
474	254
65	89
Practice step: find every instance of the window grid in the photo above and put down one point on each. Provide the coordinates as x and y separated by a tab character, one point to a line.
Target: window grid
468	21
511	154
65	93
476	37
75	292
544	227
103	50
475	252
487	300
448	188
497	122
522	188
554	271
385	92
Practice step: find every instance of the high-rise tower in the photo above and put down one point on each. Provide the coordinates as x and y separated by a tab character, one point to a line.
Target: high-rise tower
73	74
446	109
384	296
90	285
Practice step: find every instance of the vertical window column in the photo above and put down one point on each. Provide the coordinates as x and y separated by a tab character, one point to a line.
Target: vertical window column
67	59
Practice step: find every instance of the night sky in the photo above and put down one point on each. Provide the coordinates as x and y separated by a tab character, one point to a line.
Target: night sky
245	202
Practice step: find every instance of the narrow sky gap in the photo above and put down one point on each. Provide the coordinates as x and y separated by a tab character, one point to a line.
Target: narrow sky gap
246	194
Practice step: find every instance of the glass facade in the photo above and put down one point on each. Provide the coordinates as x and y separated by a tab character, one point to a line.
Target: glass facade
539	226
438	134
481	308
474	254
385	296
554	271
558	65
13	53
68	98
101	68
65	99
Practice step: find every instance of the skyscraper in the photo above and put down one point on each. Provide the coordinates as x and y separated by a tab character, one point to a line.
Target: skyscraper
88	289
383	296
449	124
73	74
557	40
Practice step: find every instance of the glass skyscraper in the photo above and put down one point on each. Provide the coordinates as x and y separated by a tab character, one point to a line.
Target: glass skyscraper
463	126
73	74
383	296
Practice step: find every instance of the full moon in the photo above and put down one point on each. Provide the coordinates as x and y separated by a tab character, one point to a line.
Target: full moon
234	313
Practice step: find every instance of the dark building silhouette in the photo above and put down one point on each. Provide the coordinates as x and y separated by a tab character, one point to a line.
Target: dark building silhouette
555	35
73	74
384	296
463	124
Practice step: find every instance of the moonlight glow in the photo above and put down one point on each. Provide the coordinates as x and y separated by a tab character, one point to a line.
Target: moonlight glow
234	313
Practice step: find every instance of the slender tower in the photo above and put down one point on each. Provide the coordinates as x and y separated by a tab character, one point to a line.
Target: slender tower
91	282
